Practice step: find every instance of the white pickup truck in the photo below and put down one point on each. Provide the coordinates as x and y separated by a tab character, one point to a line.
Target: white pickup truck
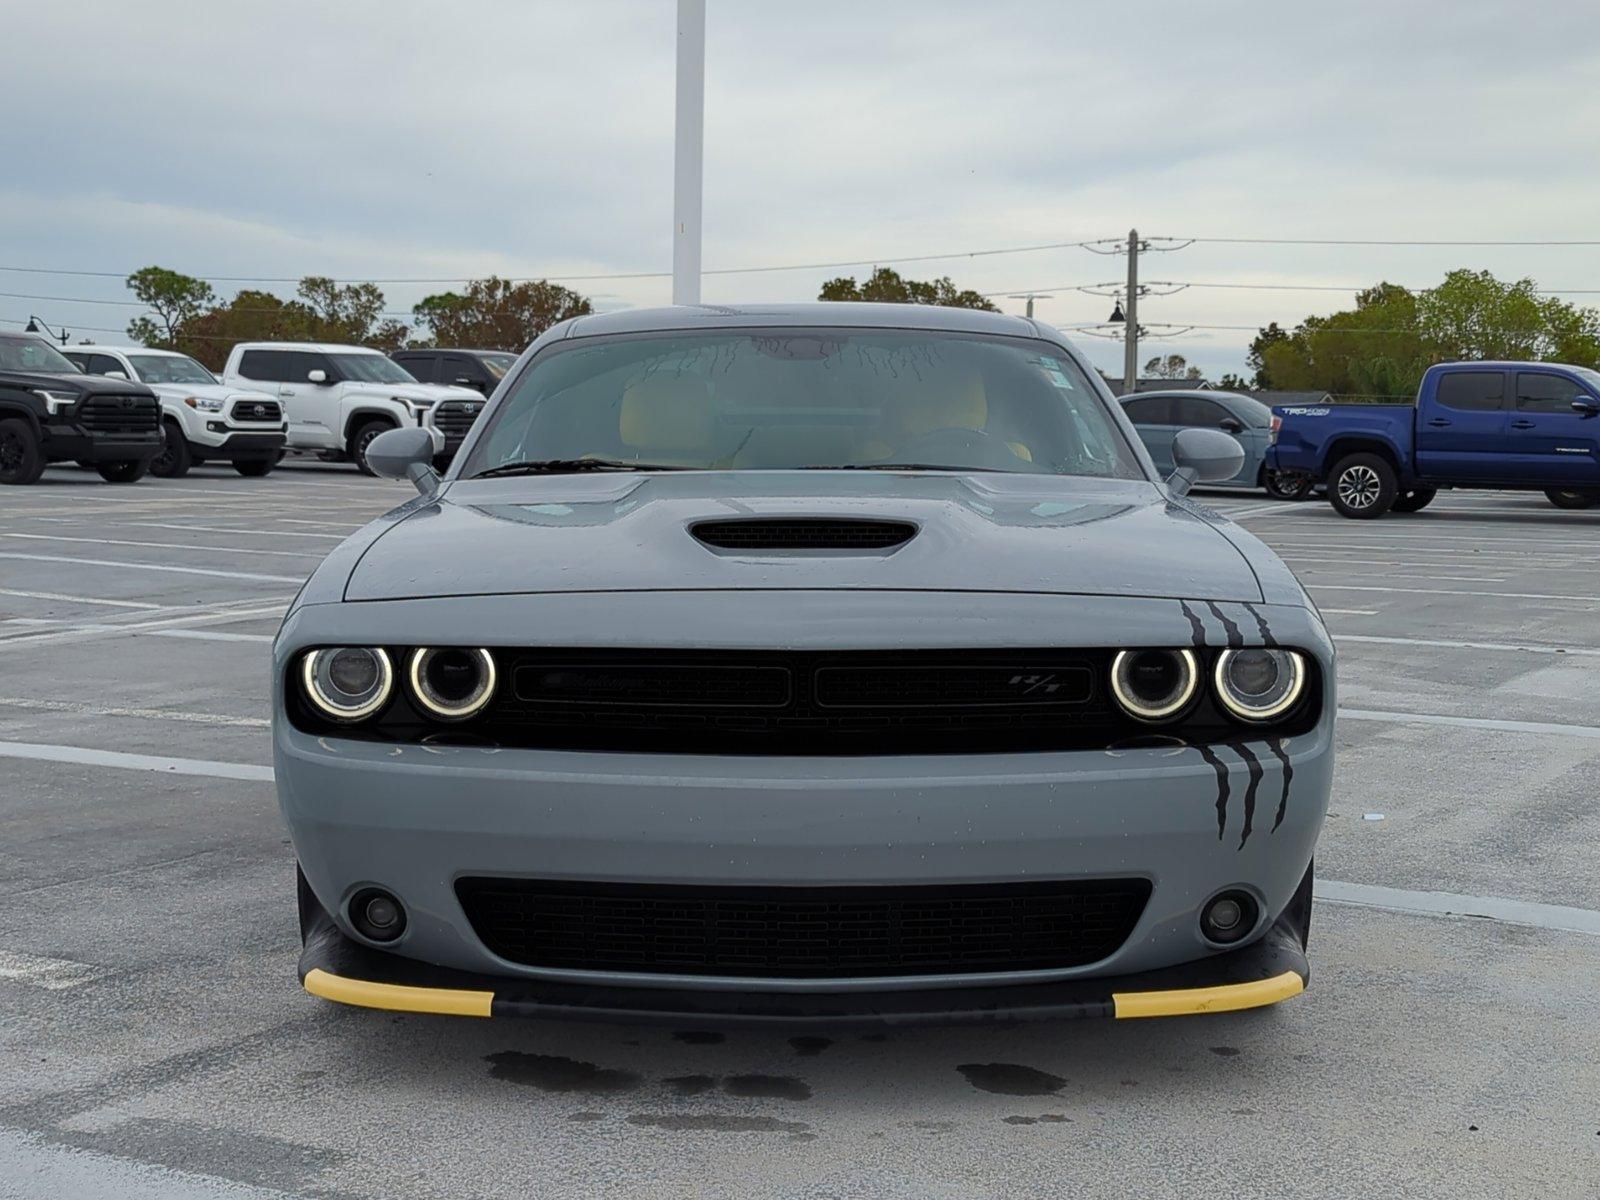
338	398
201	419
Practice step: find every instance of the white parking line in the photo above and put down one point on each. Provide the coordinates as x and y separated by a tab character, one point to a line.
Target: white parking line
52	974
143	714
80	756
1351	612
212	635
1364	587
1263	510
78	599
69	634
1449	904
294	533
1405	718
104	562
250	550
1422	578
1445	644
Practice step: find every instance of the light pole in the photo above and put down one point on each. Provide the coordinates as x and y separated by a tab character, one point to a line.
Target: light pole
689	151
1130	347
33	327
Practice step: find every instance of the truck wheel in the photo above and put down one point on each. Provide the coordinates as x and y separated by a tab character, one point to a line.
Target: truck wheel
254	468
128	470
21	459
1363	486
362	438
1415	500
1287	485
174	460
1570	497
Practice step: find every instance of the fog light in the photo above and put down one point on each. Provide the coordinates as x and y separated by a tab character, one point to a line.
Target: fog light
377	915
1228	917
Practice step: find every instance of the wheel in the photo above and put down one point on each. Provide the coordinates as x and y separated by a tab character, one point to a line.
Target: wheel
362	438
1287	485
174	460
1415	500
1570	497
128	470
21	457
254	468
1363	486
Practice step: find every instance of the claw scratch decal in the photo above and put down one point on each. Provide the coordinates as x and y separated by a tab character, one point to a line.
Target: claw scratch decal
1261	623
1235	638
1276	746
1195	627
1221	768
1253	765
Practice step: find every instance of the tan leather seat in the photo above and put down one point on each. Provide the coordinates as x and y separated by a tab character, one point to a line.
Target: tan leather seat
957	400
669	419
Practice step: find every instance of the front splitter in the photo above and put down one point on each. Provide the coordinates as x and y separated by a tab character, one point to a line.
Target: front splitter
1267	971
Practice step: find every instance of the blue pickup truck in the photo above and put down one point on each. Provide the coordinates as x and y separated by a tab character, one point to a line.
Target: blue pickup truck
1518	425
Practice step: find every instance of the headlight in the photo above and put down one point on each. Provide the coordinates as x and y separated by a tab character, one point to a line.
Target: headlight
347	683
450	683
1154	685
203	404
1259	684
54	401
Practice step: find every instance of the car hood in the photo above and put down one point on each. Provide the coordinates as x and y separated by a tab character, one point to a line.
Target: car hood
978	533
207	391
90	385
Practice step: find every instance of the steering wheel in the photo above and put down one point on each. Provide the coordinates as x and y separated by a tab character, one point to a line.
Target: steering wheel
959	447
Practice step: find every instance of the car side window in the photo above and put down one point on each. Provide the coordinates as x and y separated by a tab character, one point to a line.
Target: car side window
298	365
423	366
81	361
1473	391
1538	392
104	364
264	365
457	366
1150	410
1193	411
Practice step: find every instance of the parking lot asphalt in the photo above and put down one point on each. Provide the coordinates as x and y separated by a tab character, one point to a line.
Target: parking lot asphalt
154	1041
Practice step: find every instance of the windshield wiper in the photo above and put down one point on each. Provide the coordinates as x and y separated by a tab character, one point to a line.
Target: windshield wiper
898	466
565	466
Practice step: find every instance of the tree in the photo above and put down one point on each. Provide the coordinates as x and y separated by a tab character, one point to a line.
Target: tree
1173	366
250	316
496	314
1233	383
350	313
175	300
887	286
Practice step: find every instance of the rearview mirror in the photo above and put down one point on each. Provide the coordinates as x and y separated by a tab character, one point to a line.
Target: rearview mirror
405	453
1202	456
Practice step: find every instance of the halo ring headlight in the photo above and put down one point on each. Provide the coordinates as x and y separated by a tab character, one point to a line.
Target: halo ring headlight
347	683
1259	683
1154	685
451	683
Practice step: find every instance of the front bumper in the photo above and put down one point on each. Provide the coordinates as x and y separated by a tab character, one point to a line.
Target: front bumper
242	445
69	442
1267	971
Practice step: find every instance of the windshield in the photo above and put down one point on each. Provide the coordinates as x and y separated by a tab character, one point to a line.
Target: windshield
1253	411
811	398
32	354
1591	377
169	368
498	364
370	368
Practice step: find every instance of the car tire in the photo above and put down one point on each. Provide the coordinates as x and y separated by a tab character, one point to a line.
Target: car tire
254	468
21	456
127	470
1415	500
174	460
362	438
1363	486
1288	486
1571	497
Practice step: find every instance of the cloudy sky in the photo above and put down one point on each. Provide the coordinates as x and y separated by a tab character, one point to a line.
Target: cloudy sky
402	141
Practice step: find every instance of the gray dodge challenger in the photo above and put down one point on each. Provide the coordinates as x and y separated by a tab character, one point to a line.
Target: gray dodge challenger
803	664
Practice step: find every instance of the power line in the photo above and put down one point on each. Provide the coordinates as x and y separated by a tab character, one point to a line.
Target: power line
1266	241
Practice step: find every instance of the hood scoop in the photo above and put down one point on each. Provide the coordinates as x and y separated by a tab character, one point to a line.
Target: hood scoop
788	534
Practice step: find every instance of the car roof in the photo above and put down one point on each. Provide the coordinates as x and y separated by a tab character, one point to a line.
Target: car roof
314	347
849	314
1505	365
1195	393
97	348
449	350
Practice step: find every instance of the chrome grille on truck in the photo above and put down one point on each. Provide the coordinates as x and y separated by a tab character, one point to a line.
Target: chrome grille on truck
119	414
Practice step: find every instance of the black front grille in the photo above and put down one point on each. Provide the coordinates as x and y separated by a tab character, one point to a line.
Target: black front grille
245	411
454	418
803	932
119	414
804	534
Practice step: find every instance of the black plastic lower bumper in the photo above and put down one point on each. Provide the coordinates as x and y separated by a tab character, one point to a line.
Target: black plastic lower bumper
72	444
244	446
335	967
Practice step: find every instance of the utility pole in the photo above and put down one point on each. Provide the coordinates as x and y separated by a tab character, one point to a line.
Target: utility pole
689	151
1130	332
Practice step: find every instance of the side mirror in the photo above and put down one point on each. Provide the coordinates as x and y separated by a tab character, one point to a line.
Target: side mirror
116	374
462	381
1201	456
1231	425
1586	406
317	376
405	453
